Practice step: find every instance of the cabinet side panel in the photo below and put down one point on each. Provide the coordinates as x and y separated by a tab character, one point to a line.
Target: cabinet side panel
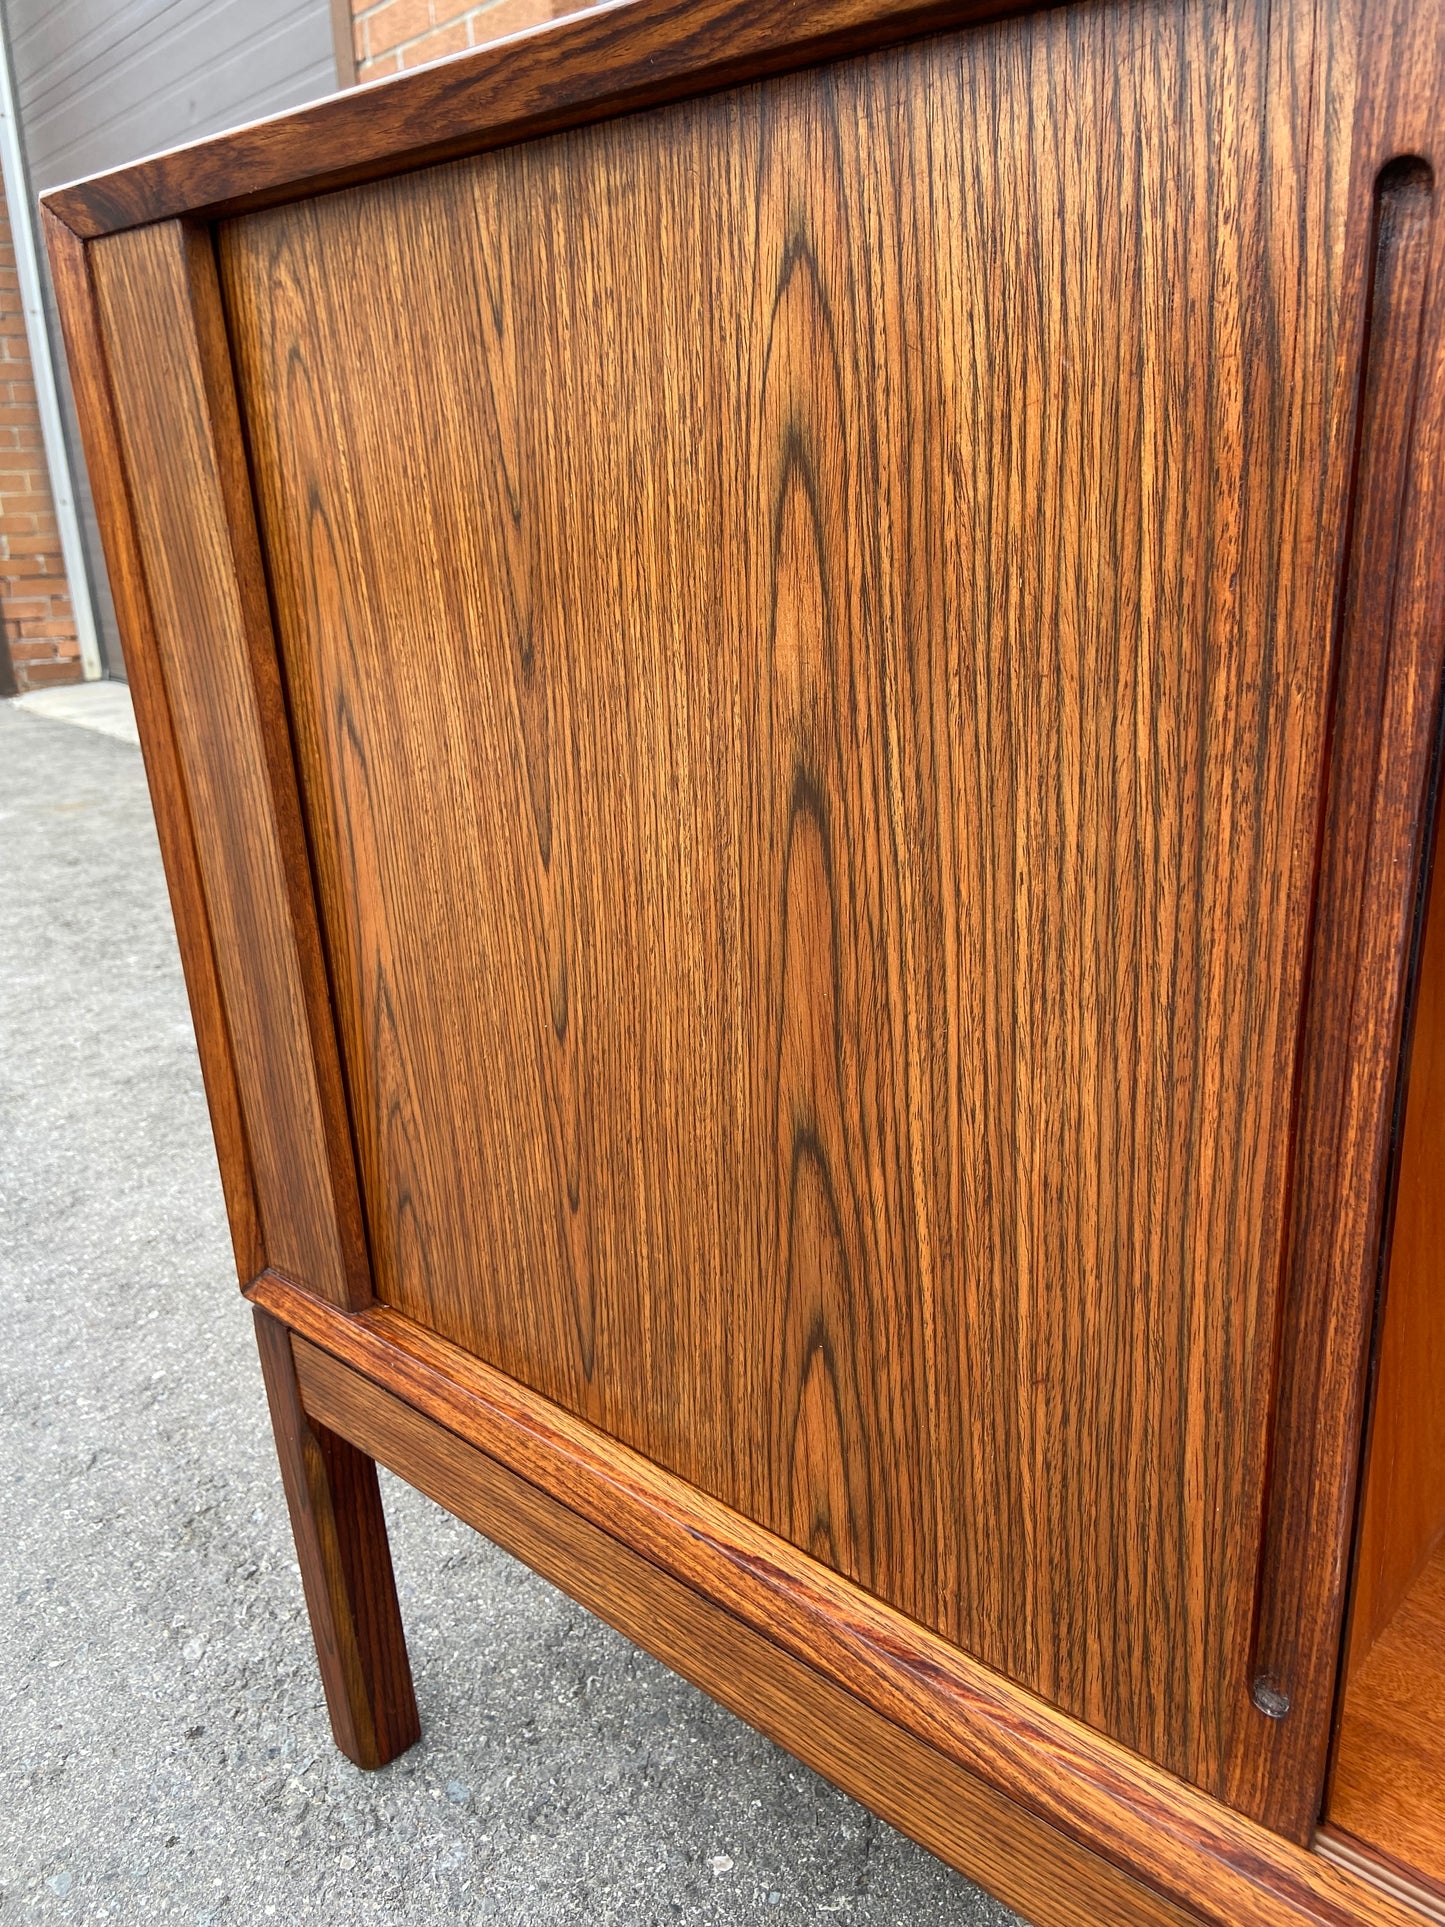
175	409
806	617
75	299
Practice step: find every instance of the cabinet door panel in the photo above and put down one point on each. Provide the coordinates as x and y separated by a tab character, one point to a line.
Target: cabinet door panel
806	619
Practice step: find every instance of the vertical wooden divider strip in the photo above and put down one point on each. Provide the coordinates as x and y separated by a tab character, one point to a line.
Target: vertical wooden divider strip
100	437
1388	675
165	339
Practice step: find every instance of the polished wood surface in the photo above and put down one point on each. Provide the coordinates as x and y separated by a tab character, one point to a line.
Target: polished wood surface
75	299
1425	1902
793	733
1033	1868
1387	665
803	616
341	1548
1388	1785
1402	1512
208	613
606	61
1207	1859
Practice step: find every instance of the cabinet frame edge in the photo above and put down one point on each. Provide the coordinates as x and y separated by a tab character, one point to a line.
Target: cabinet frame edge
1200	1858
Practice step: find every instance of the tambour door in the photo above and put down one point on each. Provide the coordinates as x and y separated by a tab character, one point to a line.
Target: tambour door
805	619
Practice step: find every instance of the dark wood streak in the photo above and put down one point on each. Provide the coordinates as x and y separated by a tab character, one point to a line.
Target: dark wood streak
889	515
100	435
779	787
827	1372
606	61
1389	643
1028	1865
182	445
1213	1864
509	301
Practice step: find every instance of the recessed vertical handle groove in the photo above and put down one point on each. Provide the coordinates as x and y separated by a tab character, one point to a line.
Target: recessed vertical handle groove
1357	969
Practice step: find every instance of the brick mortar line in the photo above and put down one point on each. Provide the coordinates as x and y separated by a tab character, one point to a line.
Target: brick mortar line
464	18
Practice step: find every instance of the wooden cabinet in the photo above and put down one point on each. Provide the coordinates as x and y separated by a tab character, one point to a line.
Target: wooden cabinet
790	663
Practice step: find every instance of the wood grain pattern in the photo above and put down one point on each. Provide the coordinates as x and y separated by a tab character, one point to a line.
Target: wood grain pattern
806	620
1030	1867
1208	1859
208	614
826	1005
1402	1511
1389	641
1388	1784
341	1547
608	60
75	299
1372	1868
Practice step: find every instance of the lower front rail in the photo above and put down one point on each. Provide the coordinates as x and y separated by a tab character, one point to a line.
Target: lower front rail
1160	1854
1027	1864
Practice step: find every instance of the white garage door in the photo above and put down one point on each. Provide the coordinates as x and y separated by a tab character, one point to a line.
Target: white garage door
101	82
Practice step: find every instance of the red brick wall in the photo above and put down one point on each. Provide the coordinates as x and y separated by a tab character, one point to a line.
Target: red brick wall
392	34
39	633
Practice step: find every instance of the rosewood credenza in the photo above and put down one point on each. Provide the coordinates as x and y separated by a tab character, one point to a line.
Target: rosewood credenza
790	662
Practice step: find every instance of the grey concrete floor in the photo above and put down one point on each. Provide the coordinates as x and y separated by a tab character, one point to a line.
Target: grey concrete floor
164	1750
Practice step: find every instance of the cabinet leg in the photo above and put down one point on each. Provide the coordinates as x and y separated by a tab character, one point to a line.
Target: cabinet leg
346	1573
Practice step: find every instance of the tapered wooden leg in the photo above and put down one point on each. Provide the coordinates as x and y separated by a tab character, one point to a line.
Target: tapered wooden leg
346	1572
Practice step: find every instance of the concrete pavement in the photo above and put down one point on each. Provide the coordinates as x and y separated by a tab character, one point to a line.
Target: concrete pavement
164	1751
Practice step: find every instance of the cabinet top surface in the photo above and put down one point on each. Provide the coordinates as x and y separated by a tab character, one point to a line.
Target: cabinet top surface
610	59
